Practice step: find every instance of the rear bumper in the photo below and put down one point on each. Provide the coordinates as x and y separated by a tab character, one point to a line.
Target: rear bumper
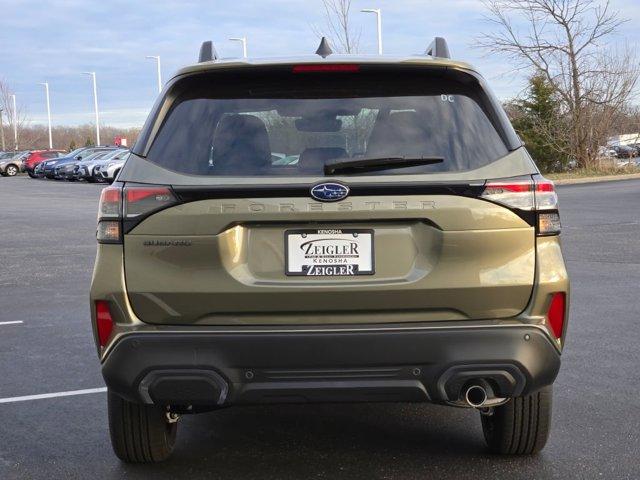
267	366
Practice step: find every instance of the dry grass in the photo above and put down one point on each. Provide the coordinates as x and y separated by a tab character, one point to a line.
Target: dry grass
593	172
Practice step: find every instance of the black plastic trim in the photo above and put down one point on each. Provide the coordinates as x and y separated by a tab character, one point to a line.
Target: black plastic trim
369	365
190	194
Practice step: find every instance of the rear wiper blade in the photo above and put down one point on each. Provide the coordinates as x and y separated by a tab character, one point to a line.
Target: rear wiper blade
374	164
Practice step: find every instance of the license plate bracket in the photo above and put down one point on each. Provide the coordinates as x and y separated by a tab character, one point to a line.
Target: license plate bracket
329	252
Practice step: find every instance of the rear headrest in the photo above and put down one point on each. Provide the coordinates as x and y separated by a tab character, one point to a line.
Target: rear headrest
241	145
312	160
400	133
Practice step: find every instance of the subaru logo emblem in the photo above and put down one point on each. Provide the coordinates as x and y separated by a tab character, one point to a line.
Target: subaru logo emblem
329	192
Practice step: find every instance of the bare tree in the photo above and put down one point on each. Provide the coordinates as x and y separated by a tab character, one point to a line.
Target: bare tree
337	26
18	117
565	41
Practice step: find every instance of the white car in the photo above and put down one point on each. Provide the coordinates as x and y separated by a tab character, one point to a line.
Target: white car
109	171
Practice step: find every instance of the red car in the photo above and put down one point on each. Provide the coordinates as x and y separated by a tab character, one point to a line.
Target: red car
37	156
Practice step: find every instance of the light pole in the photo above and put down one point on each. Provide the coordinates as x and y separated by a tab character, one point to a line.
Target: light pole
242	40
95	104
15	123
379	18
46	90
157	59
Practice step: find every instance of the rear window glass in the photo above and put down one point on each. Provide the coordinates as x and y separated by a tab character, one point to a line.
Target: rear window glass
242	130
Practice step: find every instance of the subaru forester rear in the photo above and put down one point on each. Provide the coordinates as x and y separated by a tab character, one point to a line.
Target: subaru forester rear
339	229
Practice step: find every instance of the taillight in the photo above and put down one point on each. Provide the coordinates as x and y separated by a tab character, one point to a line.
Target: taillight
104	322
118	204
535	194
326	68
109	216
110	203
556	314
141	200
515	194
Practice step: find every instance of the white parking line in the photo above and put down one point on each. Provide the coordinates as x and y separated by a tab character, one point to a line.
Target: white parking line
15	322
52	395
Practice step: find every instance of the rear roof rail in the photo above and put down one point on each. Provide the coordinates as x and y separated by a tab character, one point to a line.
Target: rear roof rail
438	48
207	52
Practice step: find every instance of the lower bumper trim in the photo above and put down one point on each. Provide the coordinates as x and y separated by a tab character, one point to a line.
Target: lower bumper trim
220	368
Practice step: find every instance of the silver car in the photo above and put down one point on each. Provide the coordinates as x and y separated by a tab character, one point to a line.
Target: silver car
85	169
11	163
109	170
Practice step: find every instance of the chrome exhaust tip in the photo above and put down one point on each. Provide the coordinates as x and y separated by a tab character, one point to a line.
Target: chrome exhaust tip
476	396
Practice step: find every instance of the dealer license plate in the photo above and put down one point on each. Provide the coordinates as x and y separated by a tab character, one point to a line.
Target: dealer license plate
329	252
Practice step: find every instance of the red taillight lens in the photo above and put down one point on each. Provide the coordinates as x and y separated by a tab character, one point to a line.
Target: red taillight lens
546	198
556	314
104	322
326	68
110	203
515	194
141	200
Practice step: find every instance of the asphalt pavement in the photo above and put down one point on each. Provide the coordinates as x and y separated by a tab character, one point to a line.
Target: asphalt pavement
47	249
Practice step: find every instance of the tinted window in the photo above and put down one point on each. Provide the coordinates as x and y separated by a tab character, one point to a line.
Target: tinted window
272	131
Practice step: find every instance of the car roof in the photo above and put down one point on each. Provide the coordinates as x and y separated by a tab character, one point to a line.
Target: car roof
380	60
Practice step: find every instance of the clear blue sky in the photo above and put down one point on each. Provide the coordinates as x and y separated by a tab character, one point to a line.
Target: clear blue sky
56	40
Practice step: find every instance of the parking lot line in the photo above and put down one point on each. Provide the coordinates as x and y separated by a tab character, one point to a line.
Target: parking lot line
15	322
52	395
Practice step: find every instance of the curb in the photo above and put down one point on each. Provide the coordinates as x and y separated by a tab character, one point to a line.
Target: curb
607	178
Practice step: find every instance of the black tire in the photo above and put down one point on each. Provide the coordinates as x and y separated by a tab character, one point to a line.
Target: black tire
11	170
90	180
521	426
139	433
31	174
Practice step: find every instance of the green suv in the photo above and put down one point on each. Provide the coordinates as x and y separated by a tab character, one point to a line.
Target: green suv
409	251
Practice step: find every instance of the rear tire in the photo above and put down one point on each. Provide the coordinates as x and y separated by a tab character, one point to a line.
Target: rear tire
521	426
31	174
139	433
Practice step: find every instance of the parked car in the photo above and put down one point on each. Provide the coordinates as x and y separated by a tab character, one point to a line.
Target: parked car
109	170
606	152
624	151
85	169
68	170
50	165
11	165
428	269
36	157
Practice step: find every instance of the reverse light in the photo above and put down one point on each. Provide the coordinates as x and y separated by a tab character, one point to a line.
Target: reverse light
556	313
549	224
326	68
108	232
104	322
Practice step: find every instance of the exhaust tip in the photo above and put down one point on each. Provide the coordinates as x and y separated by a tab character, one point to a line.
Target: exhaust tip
476	396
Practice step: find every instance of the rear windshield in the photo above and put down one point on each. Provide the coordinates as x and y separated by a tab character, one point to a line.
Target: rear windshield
294	125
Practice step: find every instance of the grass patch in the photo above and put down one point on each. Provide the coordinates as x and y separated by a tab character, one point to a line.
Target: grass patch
593	172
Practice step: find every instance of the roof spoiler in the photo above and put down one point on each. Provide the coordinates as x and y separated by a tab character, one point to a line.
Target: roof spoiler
207	52
438	48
